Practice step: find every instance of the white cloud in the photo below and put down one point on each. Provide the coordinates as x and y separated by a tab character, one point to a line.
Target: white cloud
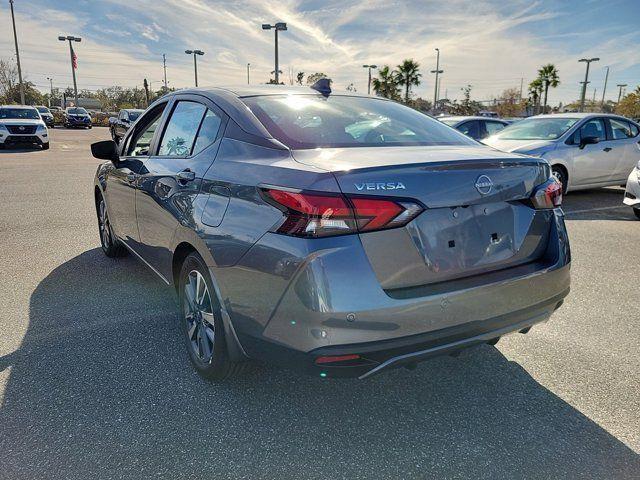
484	43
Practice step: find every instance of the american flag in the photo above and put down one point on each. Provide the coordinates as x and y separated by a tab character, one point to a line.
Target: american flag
74	59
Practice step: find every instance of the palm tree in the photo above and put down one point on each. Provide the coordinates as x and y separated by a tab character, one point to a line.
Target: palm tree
408	75
548	75
535	90
386	83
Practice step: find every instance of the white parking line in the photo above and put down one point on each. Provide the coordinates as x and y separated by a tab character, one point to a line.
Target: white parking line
599	209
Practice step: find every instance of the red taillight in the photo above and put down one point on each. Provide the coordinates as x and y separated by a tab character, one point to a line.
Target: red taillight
548	195
314	214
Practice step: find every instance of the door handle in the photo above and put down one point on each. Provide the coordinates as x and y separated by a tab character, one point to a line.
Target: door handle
607	149
186	176
131	177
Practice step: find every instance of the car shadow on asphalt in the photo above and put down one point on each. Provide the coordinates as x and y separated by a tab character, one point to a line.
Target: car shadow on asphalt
101	388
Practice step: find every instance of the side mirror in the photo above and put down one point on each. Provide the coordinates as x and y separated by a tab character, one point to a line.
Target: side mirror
105	150
588	141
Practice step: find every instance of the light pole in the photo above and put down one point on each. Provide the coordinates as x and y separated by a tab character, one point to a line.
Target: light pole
586	79
164	67
604	90
51	94
15	39
437	71
195	62
279	26
369	81
248	66
620	86
74	64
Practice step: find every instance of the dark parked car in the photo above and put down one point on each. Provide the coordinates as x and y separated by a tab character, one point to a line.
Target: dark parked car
119	125
46	115
75	117
475	127
338	234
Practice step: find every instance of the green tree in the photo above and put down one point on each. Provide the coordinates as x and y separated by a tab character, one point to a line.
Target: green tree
629	106
549	77
299	78
314	77
408	76
386	83
535	90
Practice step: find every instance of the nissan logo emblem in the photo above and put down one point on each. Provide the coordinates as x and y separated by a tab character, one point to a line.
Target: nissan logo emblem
484	185
21	128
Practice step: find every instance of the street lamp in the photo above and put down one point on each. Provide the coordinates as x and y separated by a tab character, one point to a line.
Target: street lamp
15	39
369	81
74	64
280	26
51	94
437	71
604	90
620	86
195	62
248	66
586	79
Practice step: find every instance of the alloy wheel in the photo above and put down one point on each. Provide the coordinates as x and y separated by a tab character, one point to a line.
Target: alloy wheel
198	314
105	228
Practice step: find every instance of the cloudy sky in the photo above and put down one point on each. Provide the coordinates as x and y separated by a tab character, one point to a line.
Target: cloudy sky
488	44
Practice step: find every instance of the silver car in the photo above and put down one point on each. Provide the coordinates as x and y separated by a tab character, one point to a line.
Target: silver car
632	192
475	127
585	150
337	234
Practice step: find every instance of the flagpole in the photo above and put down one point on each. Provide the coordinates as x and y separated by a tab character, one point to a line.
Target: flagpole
73	70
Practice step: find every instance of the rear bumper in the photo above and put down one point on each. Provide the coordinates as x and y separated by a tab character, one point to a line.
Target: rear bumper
293	300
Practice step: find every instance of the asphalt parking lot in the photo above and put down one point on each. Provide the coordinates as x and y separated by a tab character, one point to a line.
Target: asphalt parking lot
95	381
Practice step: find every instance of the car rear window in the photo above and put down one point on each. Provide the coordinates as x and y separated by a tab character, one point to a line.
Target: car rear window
311	121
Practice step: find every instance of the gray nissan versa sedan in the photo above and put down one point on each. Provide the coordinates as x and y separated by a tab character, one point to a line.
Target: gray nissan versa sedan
338	234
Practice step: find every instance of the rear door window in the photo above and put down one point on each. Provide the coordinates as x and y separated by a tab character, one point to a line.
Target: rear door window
208	131
620	129
181	131
493	127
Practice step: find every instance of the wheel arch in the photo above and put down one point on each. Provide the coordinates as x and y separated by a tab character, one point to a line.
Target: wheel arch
565	168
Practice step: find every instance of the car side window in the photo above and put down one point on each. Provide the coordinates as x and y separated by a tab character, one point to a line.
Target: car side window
493	127
180	134
142	137
208	131
471	129
634	129
620	129
594	128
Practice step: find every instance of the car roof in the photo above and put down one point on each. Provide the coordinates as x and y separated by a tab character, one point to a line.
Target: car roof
461	118
266	89
576	115
25	107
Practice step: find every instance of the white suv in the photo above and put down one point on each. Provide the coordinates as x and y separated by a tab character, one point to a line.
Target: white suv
22	125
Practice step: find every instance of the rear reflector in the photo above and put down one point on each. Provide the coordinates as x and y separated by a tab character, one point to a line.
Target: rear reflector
316	214
336	358
547	195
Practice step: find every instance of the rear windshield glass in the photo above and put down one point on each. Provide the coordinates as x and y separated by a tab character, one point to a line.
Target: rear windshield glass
537	129
449	121
30	113
134	115
77	111
312	121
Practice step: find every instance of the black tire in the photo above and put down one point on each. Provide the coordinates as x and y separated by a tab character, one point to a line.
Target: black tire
637	212
561	176
45	146
201	323
111	246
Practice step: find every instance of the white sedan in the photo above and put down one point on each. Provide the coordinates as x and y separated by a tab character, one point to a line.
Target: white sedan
585	150
632	192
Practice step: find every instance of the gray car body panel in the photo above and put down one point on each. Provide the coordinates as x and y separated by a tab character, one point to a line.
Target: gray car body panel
299	295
